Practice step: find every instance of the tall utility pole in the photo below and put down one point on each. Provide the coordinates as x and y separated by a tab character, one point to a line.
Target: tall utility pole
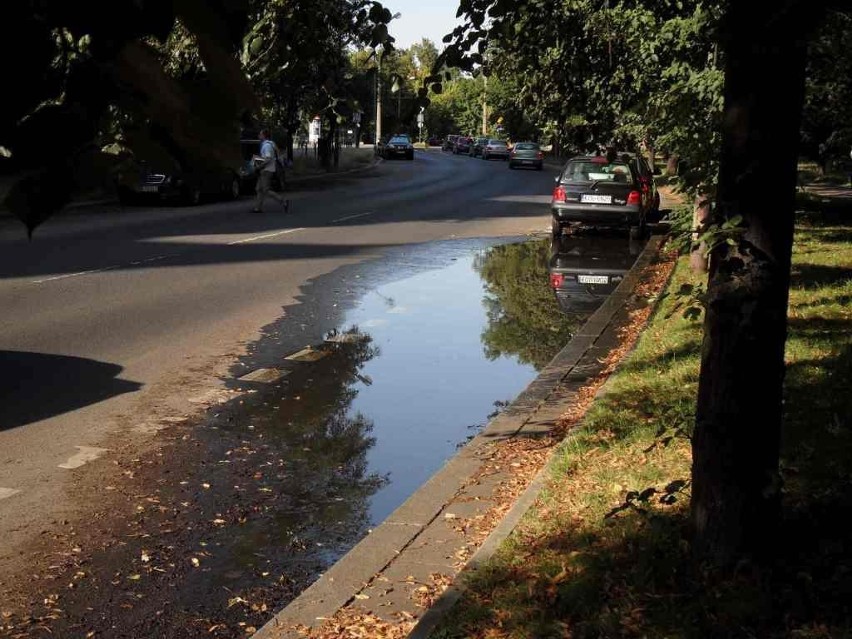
379	50
485	105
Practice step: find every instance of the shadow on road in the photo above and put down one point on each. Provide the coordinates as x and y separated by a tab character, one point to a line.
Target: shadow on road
30	385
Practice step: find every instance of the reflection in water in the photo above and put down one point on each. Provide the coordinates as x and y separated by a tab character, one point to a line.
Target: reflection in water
316	465
585	269
523	319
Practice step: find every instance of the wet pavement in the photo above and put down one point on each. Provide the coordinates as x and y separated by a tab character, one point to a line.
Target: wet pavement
399	364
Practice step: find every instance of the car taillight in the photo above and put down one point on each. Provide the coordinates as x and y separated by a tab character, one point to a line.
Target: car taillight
556	280
512	153
559	194
634	198
539	155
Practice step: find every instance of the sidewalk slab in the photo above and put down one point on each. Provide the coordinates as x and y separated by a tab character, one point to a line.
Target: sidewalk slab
393	570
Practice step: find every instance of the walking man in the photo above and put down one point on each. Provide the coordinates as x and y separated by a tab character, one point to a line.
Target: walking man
266	165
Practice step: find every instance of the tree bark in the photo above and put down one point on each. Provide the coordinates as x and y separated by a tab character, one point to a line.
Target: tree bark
672	163
700	216
736	489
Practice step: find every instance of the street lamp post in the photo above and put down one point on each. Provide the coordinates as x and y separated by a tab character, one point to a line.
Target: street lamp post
379	50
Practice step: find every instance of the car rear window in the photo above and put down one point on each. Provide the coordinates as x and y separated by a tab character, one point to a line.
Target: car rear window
496	143
526	147
399	141
589	171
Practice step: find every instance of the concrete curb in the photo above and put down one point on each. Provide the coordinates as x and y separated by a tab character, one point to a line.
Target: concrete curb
415	538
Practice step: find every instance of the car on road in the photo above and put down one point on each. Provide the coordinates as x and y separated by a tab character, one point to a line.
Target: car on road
462	144
167	180
397	146
435	141
585	269
526	154
449	142
598	190
494	148
477	146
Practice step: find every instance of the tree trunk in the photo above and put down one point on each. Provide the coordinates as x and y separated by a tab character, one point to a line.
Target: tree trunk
700	216
736	488
672	163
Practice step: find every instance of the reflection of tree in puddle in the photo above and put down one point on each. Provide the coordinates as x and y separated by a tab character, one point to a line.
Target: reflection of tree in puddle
523	317
314	459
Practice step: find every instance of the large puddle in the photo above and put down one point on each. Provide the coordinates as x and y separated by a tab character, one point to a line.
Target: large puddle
281	482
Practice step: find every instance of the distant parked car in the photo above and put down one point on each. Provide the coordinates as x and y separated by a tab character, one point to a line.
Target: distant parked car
168	180
596	191
462	144
397	146
477	146
527	154
495	149
450	143
435	141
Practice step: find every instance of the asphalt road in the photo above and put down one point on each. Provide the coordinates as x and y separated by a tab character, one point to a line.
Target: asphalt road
114	320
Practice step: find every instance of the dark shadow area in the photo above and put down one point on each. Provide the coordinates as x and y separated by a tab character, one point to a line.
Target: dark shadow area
810	275
35	386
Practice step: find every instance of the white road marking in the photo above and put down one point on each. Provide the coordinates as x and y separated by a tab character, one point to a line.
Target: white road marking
264	376
156	258
265	237
352	217
86	454
78	274
307	355
5	493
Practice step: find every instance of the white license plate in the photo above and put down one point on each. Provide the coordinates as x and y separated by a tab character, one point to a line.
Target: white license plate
526	161
149	188
596	199
593	279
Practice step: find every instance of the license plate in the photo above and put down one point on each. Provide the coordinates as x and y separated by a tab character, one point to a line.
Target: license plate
596	199
526	161
149	188
593	279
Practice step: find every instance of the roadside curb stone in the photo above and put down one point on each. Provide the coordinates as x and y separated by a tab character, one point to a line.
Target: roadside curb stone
418	541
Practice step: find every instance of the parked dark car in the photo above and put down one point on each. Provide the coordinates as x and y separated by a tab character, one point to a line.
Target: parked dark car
477	146
584	270
450	143
596	191
462	144
435	141
397	146
167	180
495	149
526	154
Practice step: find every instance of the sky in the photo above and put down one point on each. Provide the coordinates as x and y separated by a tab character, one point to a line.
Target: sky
431	19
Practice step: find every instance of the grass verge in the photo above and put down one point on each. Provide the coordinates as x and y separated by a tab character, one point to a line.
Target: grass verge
604	552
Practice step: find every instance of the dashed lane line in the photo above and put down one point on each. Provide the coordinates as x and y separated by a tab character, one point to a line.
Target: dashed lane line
85	455
352	217
5	493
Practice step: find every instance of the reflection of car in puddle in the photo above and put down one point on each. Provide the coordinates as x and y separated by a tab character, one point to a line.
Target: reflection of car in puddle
585	269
